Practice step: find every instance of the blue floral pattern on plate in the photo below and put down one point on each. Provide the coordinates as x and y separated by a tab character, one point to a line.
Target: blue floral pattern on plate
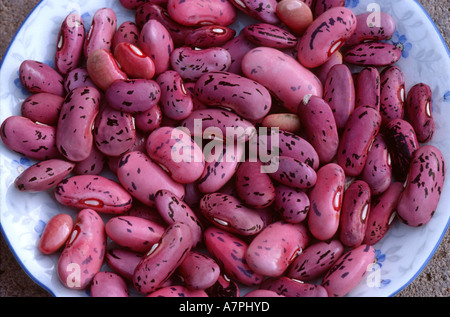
351	3
401	42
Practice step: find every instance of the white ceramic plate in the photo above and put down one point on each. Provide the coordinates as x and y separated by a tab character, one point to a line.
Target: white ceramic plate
401	255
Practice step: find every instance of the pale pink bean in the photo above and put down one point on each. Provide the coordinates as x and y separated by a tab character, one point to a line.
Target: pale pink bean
103	69
56	232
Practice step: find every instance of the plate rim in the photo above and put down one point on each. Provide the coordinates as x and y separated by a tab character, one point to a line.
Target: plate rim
394	293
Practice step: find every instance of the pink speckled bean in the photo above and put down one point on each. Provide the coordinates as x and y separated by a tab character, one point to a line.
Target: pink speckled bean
382	213
352	153
93	192
366	30
133	61
176	102
43	175
191	63
220	245
238	47
163	259
149	120
378	169
272	251
210	36
262	293
354	213
220	166
172	209
323	38
392	94
205	12
136	168
103	69
79	77
56	232
293	173
373	54
219	124
69	50
292	204
322	70
246	97
174	149
101	32
254	187
128	32
177	291
93	165
418	202
157	12
402	142
326	201
294	146
262	10
108	284
224	287
38	77
139	145
348	271
114	132
315	260
368	88
199	271
320	125
33	140
418	111
289	287
43	108
133	95
74	136
88	241
156	42
263	64
323	5
132	4
263	34
134	233
123	261
142	211
228	213
339	93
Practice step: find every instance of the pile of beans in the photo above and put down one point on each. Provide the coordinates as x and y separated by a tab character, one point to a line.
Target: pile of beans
352	150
